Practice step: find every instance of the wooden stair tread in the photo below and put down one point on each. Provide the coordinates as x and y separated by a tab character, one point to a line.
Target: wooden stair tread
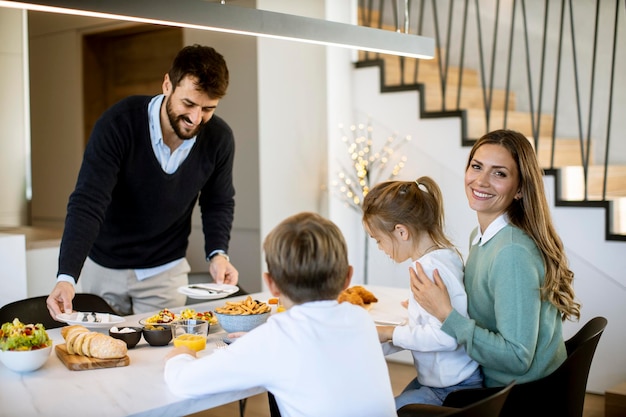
566	152
471	97
572	180
516	120
427	72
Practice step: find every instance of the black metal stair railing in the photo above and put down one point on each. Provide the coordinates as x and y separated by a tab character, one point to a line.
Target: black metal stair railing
564	62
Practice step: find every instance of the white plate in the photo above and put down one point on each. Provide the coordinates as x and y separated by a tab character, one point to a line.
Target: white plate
104	319
208	291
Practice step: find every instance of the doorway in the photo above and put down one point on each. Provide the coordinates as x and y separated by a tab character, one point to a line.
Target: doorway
125	62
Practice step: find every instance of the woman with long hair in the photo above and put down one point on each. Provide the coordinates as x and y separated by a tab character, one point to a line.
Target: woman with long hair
518	283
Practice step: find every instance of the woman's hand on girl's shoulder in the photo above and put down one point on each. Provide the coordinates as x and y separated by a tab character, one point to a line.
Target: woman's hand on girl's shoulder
431	295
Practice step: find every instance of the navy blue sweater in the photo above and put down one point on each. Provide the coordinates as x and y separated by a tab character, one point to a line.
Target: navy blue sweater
126	212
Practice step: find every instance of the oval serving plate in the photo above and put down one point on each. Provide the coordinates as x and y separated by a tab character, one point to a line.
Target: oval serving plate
208	291
90	319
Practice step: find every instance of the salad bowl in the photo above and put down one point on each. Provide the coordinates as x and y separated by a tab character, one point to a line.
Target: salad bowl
25	360
24	347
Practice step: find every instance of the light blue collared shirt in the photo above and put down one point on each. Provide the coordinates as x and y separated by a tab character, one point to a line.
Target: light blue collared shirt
170	161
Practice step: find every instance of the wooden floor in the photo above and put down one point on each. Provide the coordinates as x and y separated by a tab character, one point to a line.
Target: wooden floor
400	373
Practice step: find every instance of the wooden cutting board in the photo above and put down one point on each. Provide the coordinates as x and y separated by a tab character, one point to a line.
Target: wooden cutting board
81	363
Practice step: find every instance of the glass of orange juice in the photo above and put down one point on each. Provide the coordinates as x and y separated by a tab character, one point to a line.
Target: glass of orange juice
190	333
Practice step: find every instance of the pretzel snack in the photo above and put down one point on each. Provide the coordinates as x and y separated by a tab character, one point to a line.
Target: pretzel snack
244	307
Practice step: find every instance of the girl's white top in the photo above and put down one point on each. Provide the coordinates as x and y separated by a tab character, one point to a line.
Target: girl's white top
439	360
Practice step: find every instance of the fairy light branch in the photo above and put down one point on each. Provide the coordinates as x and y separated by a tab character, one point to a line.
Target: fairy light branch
367	167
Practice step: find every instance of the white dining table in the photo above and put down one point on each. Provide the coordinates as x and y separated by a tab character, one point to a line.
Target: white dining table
137	389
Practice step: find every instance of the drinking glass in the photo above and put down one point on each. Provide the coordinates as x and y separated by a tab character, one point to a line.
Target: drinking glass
190	333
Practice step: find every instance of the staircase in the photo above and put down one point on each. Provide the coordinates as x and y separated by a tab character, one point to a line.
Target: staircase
459	91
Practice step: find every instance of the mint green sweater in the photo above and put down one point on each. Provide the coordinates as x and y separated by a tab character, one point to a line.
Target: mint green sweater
511	332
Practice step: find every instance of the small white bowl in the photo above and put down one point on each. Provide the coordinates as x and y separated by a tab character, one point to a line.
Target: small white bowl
25	360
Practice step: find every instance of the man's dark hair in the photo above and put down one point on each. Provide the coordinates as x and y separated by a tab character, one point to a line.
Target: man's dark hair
205	65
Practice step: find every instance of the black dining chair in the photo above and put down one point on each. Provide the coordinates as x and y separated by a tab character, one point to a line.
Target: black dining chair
34	309
490	406
274	411
562	393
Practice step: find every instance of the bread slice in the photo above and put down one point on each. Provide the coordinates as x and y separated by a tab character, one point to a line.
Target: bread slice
78	342
105	347
86	342
72	334
66	329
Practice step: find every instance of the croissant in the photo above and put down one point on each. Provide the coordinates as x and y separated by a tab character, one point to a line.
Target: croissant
80	341
357	295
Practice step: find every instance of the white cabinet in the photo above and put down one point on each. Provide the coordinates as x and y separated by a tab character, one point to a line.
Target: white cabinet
13	283
28	262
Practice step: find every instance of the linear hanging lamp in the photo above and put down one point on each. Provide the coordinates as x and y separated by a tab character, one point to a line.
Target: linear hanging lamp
201	14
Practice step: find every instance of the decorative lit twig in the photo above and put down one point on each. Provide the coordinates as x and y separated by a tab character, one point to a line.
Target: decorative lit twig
368	167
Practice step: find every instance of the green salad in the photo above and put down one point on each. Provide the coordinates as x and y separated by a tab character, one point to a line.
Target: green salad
20	336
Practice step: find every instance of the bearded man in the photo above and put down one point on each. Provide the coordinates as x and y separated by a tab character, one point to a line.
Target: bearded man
148	161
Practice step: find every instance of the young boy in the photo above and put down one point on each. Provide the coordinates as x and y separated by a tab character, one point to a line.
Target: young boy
320	357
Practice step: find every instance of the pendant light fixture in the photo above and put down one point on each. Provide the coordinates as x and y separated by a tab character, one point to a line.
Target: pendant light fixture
220	17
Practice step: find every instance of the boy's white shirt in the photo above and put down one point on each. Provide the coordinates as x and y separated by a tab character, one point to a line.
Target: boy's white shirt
317	358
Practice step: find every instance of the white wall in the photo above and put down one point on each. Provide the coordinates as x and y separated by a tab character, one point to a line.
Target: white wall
600	284
292	117
340	70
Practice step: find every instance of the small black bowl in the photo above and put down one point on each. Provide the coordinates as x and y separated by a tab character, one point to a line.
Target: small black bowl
157	334
131	338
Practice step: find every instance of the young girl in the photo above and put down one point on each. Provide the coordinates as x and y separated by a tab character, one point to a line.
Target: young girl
406	220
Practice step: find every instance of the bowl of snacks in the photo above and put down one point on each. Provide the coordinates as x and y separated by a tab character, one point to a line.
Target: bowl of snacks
24	347
157	334
130	335
242	316
164	316
190	313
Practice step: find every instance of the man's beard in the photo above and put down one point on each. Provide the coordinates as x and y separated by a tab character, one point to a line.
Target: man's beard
175	120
